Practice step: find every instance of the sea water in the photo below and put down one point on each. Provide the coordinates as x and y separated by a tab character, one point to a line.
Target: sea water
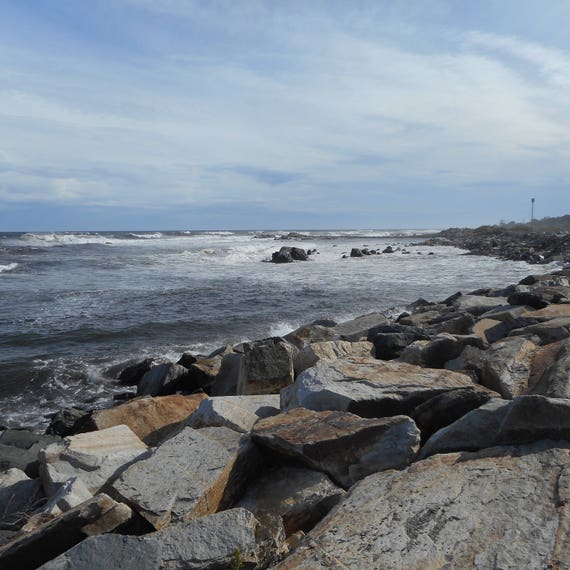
77	307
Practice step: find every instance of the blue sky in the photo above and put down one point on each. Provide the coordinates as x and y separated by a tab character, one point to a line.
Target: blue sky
175	114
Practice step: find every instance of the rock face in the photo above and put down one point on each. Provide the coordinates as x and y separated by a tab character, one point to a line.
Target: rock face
506	366
151	419
330	350
289	255
267	366
503	508
94	457
343	445
20	449
525	419
230	539
302	497
162	379
554	382
197	471
368	387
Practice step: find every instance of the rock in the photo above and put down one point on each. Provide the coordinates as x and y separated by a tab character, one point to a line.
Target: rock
554	382
186	360
151	419
446	408
64	497
132	375
317	331
162	379
343	445
289	254
19	496
20	449
226	380
355	252
534	300
230	539
69	421
525	419
461	324
95	457
267	366
204	372
550	312
109	551
548	331
198	472
413	353
388	249
302	497
506	366
469	362
491	330
234	412
50	539
329	350
506	312
477	304
361	328
368	387
502	508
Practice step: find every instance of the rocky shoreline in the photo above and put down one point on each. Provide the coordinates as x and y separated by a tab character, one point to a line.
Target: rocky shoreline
436	439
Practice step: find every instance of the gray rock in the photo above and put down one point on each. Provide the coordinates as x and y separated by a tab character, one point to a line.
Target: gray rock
227	378
65	497
477	304
469	362
343	445
368	387
506	366
502	508
110	551
20	449
548	331
229	539
317	331
360	328
555	380
195	473
329	350
162	379
506	312
525	419
267	366
302	497
19	496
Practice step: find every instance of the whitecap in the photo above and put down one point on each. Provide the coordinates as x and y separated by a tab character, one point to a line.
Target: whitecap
9	267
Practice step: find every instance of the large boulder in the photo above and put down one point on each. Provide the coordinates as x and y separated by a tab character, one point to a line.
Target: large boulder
133	374
548	331
69	421
554	381
195	473
96	458
151	419
329	350
369	387
477	304
502	508
390	340
343	445
360	328
289	255
266	367
525	419
239	413
162	379
506	366
226	380
301	496
317	331
20	448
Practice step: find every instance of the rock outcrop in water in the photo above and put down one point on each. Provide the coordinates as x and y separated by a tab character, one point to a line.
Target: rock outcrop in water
439	439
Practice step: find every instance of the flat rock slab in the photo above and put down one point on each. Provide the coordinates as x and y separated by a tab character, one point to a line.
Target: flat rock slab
330	350
239	413
230	539
151	419
369	387
302	497
502	508
95	457
478	304
110	551
525	419
20	449
550	312
341	444
195	473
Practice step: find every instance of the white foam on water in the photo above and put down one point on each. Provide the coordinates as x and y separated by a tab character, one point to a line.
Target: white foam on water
155	235
9	267
59	239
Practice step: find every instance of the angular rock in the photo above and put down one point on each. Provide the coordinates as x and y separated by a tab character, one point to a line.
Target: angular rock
226	380
96	458
329	350
317	331
506	312
20	449
532	299
110	551
355	252
491	330
204	372
453	324
548	331
186	360
550	312
151	419
368	387
413	353
69	421
502	508
302	497
506	366
477	304
19	496
267	366
162	379
469	362
361	328
343	445
132	375
230	539
50	539
198	472
525	419
65	496
235	412
554	381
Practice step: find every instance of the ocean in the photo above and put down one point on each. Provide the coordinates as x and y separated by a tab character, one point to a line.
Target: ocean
77	307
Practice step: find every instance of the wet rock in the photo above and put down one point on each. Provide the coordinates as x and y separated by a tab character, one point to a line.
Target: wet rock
151	419
198	472
95	457
493	509
329	350
302	497
369	387
186	360
20	449
267	366
69	421
355	252
239	413
162	379
289	255
343	445
132	375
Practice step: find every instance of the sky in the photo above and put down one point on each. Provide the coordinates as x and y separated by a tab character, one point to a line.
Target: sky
179	114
